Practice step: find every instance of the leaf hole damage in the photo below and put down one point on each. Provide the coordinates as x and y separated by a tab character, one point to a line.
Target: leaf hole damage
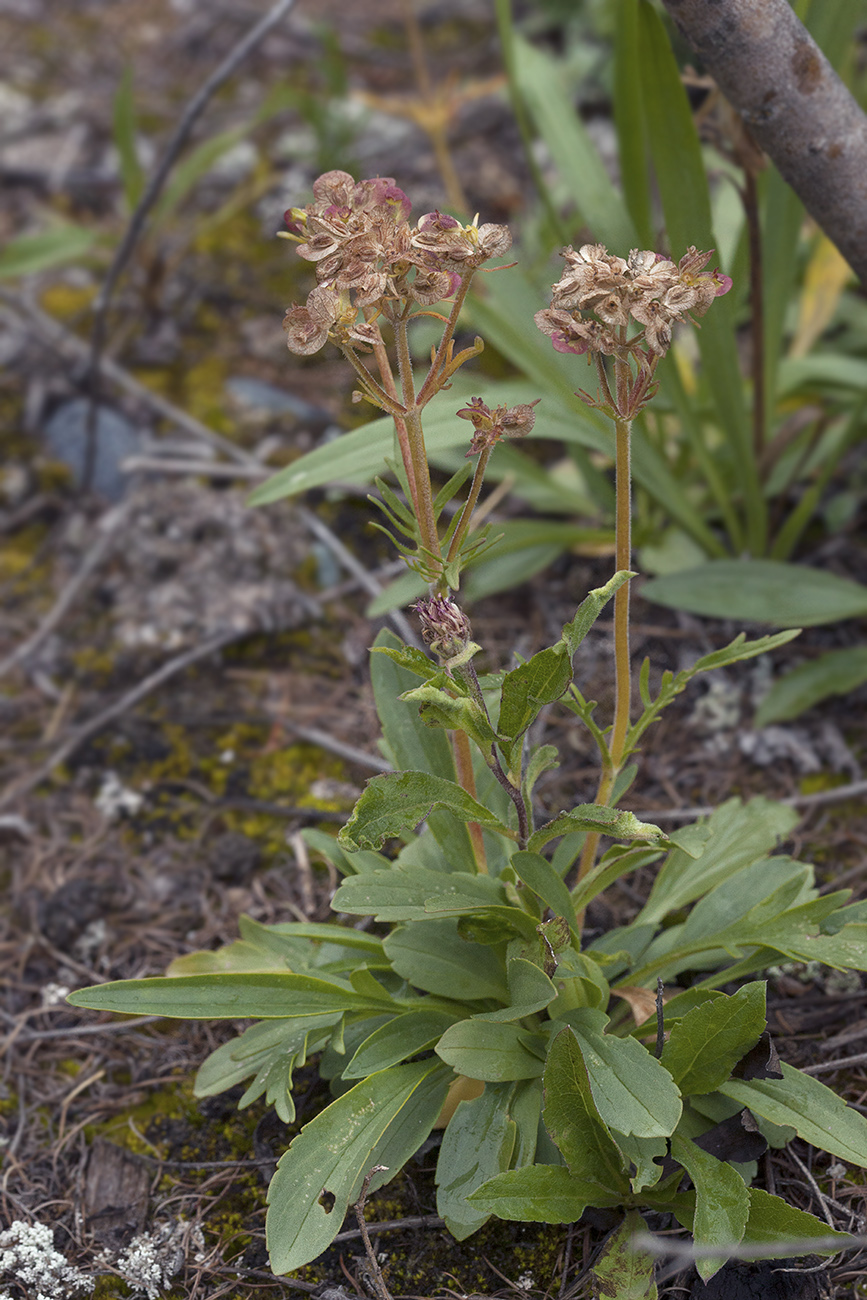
326	1200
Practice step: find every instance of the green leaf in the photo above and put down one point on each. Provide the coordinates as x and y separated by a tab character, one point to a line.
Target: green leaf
740	835
530	990
405	1035
621	1270
539	875
414	661
540	1194
761	591
495	1053
397	802
683	188
432	956
381	1121
478	1143
708	1041
414	747
591	607
574	155
529	687
631	1090
573	1120
226	997
816	1113
592	817
643	1157
408	893
437	709
722	1204
614	863
188	172
837	672
545	677
773	1221
124	129
31	253
256	1047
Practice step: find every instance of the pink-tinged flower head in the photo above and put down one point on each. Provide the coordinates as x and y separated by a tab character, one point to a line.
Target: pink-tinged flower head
449	246
444	626
599	294
503	422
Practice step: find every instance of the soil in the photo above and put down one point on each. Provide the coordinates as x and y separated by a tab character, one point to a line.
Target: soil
201	692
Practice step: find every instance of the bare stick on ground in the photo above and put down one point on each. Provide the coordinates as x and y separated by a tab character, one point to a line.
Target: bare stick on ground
376	1272
152	191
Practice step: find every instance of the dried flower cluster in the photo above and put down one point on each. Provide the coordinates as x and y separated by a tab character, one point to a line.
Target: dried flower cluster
503	422
592	305
369	259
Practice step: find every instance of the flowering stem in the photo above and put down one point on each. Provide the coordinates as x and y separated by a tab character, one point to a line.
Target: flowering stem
470	503
612	758
467	781
415	443
385	372
429	387
623	556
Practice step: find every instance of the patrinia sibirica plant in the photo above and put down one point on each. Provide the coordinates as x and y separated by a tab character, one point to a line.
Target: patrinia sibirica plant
564	1070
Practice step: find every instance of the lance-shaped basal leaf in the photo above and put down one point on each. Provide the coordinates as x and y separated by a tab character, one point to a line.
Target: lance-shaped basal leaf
573	1120
774	1222
228	997
816	1113
256	1048
546	676
410	893
403	1036
397	802
631	1090
494	1053
644	1157
431	955
708	1041
540	1194
590	817
722	1202
381	1121
478	1143
538	874
623	1271
530	990
739	835
616	862
302	947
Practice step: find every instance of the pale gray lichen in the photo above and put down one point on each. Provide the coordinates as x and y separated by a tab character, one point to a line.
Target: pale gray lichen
28	1257
151	1260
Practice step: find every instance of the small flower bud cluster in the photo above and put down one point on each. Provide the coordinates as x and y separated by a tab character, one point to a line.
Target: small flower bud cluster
599	294
503	422
368	256
444	626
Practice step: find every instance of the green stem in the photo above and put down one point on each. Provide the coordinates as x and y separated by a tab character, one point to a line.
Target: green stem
415	440
613	760
470	504
467	781
430	386
386	374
